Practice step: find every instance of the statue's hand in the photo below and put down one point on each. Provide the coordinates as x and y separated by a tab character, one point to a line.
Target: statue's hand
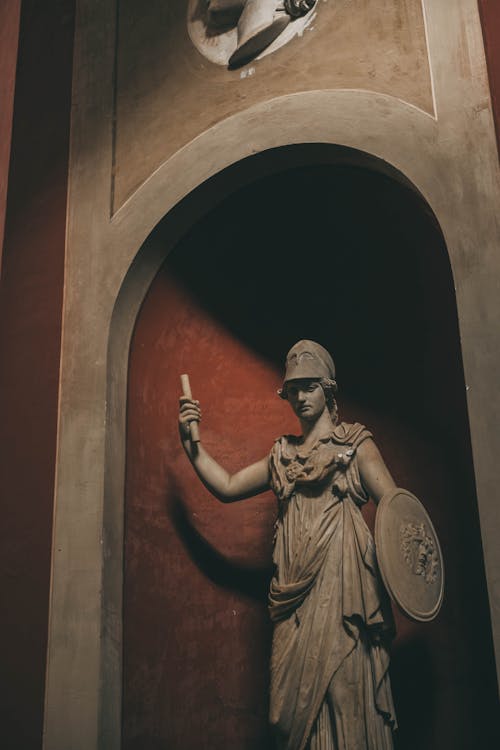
189	411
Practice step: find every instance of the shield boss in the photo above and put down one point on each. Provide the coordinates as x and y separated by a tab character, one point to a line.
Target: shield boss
409	555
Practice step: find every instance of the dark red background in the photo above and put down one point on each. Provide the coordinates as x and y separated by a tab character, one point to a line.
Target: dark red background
31	294
490	19
9	35
354	260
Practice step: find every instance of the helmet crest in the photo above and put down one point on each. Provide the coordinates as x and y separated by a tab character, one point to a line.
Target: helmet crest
308	359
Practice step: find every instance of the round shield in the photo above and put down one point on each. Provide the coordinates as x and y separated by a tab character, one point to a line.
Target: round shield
409	555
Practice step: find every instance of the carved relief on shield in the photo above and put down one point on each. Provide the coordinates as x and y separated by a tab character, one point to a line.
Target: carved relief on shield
419	550
409	555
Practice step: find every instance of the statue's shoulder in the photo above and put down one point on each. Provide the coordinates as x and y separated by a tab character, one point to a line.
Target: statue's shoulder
284	441
353	434
293	439
285	448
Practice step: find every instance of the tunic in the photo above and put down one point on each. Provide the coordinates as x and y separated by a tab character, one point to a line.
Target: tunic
330	686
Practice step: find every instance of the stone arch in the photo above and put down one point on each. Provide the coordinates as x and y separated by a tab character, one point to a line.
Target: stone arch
401	140
137	281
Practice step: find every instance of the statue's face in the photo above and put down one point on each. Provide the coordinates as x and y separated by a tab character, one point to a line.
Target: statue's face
306	398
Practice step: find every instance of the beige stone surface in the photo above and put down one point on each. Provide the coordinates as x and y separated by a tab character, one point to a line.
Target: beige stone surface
167	93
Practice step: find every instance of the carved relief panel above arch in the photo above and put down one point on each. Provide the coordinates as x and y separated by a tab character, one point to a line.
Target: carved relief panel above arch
171	86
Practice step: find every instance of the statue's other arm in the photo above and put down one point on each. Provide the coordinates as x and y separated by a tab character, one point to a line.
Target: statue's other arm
250	481
375	475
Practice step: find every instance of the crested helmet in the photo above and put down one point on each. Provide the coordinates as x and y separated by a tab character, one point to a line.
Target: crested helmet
308	359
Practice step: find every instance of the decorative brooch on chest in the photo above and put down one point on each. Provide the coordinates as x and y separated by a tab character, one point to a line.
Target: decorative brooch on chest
340	486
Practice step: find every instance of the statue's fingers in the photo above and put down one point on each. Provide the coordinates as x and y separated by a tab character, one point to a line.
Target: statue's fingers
188	407
190	415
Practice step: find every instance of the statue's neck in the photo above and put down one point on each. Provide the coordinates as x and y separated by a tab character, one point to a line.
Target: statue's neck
313	431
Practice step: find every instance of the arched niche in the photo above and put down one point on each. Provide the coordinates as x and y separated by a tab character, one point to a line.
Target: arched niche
176	229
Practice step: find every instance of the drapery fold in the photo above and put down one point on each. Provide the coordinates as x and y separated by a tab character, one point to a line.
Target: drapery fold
331	614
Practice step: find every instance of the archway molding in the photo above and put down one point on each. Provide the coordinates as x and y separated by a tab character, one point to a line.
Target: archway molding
375	131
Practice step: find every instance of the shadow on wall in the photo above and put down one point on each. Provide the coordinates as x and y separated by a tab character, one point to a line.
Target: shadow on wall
414	684
344	255
248	581
350	258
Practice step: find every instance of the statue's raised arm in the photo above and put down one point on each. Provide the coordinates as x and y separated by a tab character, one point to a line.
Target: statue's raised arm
250	481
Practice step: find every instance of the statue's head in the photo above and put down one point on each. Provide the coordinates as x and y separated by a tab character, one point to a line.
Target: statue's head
308	360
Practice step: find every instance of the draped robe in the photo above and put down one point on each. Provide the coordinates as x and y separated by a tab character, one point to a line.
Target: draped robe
330	686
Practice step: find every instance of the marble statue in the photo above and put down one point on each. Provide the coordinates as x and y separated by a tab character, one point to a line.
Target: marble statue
329	681
258	23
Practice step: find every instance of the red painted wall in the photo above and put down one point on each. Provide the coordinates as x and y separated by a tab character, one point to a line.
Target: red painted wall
359	265
9	32
31	289
490	19
196	569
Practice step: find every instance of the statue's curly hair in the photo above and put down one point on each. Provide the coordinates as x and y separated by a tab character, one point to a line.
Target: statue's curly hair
330	388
